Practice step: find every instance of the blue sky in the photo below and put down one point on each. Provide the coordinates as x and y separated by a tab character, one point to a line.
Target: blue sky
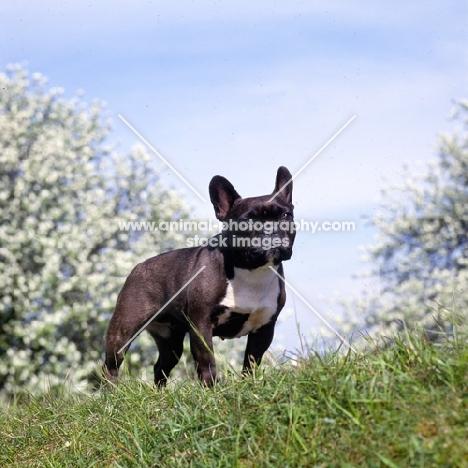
240	88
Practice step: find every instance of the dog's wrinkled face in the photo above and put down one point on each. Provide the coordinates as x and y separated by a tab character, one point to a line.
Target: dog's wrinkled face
258	230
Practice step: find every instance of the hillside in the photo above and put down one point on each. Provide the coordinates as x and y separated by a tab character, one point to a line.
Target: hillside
400	407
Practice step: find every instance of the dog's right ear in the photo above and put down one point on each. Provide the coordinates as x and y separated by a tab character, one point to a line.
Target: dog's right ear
222	195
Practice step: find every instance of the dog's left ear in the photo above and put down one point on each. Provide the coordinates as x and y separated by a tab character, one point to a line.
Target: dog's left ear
284	184
222	195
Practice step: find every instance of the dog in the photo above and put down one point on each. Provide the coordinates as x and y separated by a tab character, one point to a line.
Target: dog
232	290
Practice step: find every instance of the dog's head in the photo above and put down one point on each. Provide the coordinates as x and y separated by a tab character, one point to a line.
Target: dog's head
260	229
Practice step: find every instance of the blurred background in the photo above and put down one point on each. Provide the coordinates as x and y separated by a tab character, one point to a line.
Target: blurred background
238	89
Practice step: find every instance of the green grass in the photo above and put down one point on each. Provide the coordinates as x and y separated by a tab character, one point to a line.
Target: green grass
400	407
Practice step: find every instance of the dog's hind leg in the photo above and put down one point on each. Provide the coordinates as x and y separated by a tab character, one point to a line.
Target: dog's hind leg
201	345
170	342
129	318
118	338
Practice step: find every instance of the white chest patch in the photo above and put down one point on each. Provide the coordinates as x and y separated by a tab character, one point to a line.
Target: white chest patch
252	292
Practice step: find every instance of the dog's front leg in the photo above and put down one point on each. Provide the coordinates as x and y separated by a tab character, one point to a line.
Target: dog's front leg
201	346
257	343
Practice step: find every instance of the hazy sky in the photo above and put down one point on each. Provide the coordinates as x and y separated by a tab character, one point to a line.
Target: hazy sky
240	88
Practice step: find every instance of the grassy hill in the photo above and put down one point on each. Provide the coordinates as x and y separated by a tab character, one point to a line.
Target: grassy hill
400	407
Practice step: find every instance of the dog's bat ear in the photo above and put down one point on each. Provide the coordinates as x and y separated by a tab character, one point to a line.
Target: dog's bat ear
284	184
222	195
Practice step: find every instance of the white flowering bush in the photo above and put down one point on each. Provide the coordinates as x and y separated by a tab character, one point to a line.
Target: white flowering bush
421	254
63	189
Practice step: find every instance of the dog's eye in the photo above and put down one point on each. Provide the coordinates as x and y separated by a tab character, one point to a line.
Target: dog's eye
287	216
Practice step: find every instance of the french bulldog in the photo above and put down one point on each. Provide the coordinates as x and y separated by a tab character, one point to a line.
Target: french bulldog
226	288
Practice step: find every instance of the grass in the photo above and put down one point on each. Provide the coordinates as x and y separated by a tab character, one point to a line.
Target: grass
406	406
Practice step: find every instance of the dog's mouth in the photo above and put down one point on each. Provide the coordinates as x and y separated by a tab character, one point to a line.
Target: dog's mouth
256	251
280	253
